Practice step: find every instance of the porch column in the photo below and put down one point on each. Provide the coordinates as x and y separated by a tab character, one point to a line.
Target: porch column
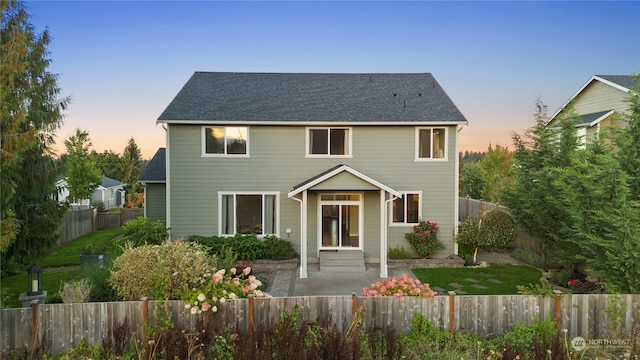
303	236
383	235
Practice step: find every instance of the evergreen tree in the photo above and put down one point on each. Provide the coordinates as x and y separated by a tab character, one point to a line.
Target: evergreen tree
131	165
30	112
82	174
628	141
534	198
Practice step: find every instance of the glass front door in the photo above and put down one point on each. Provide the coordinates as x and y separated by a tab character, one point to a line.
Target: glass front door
340	221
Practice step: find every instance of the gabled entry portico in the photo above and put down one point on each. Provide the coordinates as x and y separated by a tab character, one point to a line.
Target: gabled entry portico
342	209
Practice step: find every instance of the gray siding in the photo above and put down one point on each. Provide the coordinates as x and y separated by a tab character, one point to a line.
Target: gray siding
155	201
598	97
277	162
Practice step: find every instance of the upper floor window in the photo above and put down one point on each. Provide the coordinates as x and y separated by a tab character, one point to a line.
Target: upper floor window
329	141
406	210
431	143
223	140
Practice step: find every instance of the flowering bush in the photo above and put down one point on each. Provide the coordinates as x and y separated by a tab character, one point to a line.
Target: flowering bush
159	271
220	287
423	238
403	286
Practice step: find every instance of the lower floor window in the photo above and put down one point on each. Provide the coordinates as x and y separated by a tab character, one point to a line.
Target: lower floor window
406	210
248	214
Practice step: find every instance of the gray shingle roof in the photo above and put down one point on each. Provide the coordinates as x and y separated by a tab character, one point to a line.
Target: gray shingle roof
622	80
310	97
587	119
155	171
108	182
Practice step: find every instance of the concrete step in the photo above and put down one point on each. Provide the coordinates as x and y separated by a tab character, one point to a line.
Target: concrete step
342	261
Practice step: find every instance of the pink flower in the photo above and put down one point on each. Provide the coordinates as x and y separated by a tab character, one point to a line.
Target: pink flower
233	271
206	306
247	270
202	297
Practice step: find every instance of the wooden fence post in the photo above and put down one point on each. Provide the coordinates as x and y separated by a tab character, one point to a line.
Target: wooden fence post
354	307
558	309
250	317
121	217
145	318
452	316
33	344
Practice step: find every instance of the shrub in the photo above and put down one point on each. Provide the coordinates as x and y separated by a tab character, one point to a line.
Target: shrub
399	253
424	239
247	247
529	341
160	271
76	291
468	239
221	287
99	205
497	230
403	286
142	231
278	249
529	256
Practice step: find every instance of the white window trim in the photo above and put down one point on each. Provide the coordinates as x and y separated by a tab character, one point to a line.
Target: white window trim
405	223
446	143
204	152
359	202
307	142
277	220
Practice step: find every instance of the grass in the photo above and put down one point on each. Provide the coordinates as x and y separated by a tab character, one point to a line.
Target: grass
61	265
69	253
498	279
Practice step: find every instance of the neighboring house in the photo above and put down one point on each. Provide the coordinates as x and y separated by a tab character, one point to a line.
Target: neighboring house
339	164
599	103
154	177
110	192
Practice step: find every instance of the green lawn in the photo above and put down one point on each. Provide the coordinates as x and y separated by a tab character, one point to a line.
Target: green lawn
497	279
69	253
60	265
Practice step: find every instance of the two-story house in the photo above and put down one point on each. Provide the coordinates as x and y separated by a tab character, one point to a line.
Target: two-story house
336	163
599	102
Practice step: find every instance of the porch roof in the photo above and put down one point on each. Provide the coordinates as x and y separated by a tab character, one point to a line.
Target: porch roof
335	171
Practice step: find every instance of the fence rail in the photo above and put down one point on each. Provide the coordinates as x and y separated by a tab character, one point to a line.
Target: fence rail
60	327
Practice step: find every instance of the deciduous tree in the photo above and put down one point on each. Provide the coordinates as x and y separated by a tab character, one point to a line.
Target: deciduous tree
82	174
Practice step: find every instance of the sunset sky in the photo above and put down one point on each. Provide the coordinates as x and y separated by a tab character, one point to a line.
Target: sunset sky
123	62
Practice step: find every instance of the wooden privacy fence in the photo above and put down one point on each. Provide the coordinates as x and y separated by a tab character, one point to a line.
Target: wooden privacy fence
75	223
111	220
468	207
60	327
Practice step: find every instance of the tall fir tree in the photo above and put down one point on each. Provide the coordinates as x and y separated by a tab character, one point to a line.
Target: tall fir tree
30	112
131	164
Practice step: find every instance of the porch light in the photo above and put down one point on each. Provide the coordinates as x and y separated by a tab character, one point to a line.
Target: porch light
35	280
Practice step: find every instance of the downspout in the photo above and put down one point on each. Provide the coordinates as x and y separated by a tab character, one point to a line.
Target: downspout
167	183
303	234
456	203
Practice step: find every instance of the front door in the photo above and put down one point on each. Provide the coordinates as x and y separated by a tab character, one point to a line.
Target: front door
340	221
